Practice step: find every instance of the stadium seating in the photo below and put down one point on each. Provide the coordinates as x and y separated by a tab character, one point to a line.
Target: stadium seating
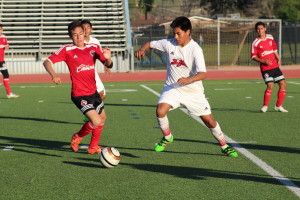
38	28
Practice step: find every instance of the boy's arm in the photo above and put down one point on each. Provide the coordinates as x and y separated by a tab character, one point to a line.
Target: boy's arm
263	61
107	56
277	57
139	54
48	66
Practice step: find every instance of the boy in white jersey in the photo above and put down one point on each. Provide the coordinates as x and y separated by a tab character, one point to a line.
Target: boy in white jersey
87	26
185	70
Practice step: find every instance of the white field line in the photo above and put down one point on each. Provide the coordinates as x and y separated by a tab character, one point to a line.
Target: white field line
260	163
296	83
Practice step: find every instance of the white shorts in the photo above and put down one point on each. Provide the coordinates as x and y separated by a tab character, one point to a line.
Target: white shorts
99	83
196	104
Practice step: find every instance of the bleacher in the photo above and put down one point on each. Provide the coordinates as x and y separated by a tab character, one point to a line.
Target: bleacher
39	27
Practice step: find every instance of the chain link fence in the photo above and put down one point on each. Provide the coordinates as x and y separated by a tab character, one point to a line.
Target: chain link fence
234	46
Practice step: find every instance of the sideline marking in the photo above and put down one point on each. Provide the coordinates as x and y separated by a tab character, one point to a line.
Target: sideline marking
260	163
293	82
228	88
121	90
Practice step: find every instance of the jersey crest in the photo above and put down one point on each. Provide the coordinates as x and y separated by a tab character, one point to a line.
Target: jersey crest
178	62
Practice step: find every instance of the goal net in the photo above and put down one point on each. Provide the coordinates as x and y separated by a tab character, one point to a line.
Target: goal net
235	37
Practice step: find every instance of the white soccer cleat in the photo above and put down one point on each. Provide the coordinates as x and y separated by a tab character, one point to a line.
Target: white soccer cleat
12	96
264	109
280	109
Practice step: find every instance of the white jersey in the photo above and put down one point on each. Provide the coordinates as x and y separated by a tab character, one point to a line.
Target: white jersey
94	41
182	62
99	84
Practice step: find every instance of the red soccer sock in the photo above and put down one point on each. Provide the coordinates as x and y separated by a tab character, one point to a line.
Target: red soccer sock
86	129
280	97
96	134
7	86
267	97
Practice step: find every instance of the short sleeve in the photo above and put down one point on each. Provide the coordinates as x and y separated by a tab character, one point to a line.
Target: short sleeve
159	45
58	56
199	60
253	50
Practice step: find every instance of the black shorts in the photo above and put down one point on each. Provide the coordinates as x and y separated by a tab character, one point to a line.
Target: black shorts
90	102
2	65
272	75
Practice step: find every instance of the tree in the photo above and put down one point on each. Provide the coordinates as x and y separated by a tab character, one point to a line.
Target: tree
287	9
146	6
220	6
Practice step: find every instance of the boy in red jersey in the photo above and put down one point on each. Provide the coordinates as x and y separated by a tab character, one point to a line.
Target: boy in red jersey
80	59
3	69
264	51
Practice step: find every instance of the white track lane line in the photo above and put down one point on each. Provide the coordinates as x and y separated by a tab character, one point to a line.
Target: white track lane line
260	163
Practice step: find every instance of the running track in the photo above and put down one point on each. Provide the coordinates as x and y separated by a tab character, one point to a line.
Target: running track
224	73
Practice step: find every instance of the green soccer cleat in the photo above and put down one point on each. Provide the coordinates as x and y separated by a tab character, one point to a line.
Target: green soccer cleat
163	144
229	151
85	119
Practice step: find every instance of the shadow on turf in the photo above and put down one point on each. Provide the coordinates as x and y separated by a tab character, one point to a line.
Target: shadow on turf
190	172
252	146
203	174
233	110
34	144
117	104
38	119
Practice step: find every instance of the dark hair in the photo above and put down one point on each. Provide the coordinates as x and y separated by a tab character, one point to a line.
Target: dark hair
183	23
1	25
86	21
259	24
72	26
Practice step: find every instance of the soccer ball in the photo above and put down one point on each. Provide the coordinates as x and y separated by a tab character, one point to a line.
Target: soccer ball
109	157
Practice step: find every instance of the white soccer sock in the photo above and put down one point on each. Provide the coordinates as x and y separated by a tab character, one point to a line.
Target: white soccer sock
164	125
218	134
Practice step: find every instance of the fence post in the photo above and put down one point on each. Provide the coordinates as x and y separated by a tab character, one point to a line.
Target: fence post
218	48
296	42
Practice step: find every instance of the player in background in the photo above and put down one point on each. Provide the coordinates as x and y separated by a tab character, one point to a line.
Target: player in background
4	46
185	71
264	51
87	26
80	59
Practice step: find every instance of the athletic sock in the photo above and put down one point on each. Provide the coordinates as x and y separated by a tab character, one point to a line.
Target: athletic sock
218	134
267	97
96	134
164	126
280	97
7	86
86	129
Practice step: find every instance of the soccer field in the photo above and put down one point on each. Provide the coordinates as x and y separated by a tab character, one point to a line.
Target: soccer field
36	129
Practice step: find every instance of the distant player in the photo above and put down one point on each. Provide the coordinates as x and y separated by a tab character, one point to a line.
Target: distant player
80	59
3	46
87	26
185	72
264	51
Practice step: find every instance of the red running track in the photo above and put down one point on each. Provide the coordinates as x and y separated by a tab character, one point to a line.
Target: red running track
154	76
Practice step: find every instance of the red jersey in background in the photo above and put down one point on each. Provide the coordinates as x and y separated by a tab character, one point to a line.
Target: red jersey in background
264	49
3	44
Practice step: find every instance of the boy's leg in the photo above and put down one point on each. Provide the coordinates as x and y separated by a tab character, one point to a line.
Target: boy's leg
77	137
96	134
281	96
163	122
215	129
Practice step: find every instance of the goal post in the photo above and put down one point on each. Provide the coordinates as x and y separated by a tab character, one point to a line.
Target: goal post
235	37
